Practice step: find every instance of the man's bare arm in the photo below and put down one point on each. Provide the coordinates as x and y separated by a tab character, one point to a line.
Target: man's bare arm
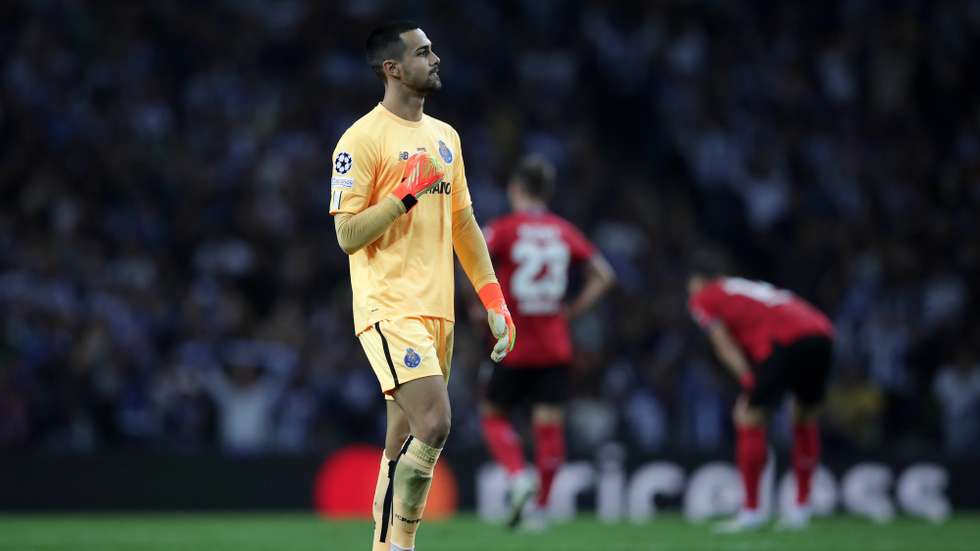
599	279
729	352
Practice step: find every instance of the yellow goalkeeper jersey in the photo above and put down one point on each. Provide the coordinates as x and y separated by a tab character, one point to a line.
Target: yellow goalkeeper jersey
408	271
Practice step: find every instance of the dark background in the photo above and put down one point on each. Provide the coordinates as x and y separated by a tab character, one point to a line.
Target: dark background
170	282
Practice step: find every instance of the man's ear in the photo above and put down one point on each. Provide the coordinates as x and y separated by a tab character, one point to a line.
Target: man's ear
392	68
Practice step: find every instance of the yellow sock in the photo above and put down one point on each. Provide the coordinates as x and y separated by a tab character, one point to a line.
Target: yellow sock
381	544
413	477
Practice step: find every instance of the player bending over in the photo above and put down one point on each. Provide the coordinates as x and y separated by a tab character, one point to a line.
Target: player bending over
774	343
401	207
533	250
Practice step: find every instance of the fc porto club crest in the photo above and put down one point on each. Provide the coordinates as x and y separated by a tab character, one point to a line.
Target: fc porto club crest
343	162
412	358
445	152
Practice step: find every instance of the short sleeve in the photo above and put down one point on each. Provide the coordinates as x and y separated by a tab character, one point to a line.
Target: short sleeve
581	248
460	190
355	161
704	306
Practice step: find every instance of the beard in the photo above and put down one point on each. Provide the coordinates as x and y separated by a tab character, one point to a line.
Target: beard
432	83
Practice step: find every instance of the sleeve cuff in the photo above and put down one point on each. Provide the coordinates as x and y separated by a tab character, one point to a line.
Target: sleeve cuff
409	201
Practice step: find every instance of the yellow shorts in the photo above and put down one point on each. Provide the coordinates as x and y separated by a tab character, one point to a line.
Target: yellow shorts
405	349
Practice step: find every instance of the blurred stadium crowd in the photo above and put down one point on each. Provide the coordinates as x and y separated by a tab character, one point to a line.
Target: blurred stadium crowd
170	279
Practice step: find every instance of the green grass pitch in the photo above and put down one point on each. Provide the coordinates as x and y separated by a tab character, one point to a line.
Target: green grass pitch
296	532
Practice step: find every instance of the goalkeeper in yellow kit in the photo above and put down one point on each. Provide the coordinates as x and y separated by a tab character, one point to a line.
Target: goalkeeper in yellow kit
401	207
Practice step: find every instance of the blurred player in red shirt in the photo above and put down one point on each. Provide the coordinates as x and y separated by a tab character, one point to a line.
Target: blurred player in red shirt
532	251
774	343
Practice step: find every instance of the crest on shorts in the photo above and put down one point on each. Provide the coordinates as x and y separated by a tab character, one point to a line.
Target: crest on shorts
445	152
412	358
343	163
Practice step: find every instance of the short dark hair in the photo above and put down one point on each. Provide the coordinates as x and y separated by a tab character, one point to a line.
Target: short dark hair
708	263
536	175
385	42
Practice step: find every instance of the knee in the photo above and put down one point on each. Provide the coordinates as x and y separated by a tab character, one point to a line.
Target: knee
738	413
435	426
489	409
548	415
749	417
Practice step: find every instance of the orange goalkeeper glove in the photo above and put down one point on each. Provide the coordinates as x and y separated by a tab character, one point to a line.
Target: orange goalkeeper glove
498	316
420	174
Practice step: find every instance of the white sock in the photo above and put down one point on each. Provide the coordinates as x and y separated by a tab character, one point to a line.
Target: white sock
394	547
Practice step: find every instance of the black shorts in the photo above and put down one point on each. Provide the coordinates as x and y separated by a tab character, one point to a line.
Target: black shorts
513	386
801	367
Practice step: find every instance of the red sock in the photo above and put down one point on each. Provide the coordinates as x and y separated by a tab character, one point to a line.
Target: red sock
750	454
504	445
806	457
549	443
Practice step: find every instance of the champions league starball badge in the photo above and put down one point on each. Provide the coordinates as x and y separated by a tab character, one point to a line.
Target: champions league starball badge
343	162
